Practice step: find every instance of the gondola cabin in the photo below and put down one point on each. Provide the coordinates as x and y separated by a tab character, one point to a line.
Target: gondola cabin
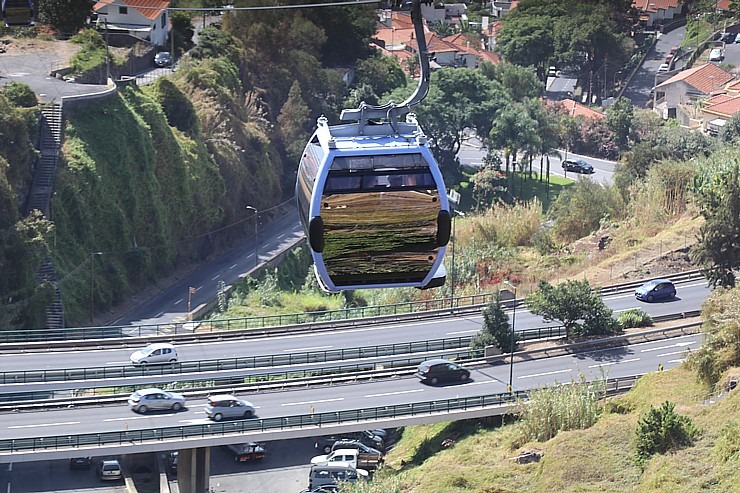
17	12
374	206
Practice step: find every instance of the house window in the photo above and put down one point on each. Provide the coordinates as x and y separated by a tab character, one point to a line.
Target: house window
164	19
123	10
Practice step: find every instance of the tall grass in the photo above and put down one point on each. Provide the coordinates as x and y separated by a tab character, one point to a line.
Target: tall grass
508	226
560	408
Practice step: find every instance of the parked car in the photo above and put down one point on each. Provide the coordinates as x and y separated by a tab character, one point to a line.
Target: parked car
366	457
327	488
163	59
727	37
331	475
172	462
367	437
655	290
664	67
157	353
436	371
578	165
80	462
247	452
153	399
737	38
223	406
716	55
109	470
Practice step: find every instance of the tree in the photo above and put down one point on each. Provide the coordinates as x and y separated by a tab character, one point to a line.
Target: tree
731	130
68	16
619	120
458	99
569	303
19	94
495	330
382	73
527	40
293	122
718	247
520	83
182	30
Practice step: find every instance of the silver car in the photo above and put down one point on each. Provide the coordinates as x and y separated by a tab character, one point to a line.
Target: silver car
145	400
223	406
156	353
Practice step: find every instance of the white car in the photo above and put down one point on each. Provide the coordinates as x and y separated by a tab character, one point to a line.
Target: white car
157	353
716	55
155	399
664	67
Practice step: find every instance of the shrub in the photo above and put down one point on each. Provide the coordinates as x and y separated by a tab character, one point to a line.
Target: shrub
662	429
20	94
634	317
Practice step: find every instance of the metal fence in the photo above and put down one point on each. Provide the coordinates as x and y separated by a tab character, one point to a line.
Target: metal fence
205	431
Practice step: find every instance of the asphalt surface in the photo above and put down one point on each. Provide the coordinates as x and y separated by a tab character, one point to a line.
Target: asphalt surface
34	70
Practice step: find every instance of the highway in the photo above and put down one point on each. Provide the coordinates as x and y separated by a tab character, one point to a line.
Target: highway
485	379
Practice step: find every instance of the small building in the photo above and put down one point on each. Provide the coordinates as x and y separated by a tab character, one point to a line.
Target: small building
686	88
147	20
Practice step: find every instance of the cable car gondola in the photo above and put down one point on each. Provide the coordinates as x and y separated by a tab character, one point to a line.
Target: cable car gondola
371	197
17	12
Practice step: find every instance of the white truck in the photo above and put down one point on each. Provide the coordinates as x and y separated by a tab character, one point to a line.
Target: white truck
349	457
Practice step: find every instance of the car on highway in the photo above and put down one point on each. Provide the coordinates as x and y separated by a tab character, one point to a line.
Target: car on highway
657	289
227	406
436	371
716	55
109	470
578	165
163	59
155	399
157	353
80	462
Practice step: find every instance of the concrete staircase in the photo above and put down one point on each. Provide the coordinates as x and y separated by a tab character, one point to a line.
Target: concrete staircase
39	198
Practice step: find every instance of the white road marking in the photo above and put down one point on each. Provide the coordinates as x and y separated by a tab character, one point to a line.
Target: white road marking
44	424
178	301
311	402
216	277
670	354
281	236
615	362
199	288
234	266
679	361
138	417
306	349
678	344
568	370
394	393
471	331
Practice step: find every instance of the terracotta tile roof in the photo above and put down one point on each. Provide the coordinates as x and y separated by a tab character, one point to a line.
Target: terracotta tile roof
148	8
654	5
705	78
723	5
574	108
734	86
720	98
725	108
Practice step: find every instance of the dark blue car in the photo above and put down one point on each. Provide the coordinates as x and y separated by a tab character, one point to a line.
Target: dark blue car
657	289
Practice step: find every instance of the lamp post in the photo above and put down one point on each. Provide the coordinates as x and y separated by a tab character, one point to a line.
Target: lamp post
455	213
513	321
256	235
92	283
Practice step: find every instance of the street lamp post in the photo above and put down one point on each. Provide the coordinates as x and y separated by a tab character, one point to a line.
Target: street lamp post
256	235
455	213
513	322
92	283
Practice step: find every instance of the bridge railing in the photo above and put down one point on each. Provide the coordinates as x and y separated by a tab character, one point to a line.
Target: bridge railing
313	420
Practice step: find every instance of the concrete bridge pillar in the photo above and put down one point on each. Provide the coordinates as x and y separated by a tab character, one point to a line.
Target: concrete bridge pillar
194	470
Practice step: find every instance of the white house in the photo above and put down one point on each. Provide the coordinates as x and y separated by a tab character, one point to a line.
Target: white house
144	19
